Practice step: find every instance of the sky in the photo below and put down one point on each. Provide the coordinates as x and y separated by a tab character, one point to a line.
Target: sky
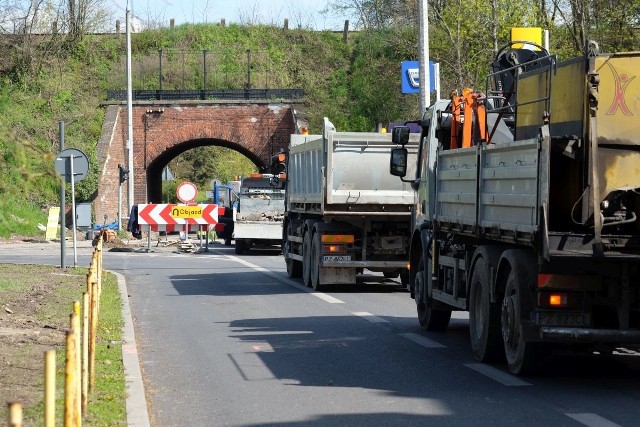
300	13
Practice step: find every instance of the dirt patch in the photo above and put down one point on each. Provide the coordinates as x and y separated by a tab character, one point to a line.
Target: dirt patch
35	304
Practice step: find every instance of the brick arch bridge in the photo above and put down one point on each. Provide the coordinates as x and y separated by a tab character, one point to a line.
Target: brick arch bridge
163	130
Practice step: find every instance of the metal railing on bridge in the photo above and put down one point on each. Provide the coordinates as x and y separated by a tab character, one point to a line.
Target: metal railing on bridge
206	94
219	74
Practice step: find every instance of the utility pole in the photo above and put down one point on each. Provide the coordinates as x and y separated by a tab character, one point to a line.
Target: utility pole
423	45
129	117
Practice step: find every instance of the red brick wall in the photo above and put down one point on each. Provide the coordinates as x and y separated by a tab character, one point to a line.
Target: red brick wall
257	129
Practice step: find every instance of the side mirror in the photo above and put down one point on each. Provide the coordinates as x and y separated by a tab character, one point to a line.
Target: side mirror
400	135
398	165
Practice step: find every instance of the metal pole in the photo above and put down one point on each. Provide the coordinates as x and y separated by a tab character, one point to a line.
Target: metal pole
204	70
129	117
425	90
160	72
73	210
63	237
248	68
436	79
119	204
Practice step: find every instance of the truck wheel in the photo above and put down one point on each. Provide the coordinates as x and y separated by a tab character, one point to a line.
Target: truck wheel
429	318
404	279
484	317
519	352
240	247
306	258
315	262
294	267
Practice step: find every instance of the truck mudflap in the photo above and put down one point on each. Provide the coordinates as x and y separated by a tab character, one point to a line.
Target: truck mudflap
589	336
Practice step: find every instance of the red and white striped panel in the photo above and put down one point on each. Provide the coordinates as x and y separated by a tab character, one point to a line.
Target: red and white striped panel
157	217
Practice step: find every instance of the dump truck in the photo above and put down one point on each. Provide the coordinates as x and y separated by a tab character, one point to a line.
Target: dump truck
527	198
259	213
343	212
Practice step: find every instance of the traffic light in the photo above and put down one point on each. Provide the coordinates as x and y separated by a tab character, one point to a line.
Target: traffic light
279	163
123	174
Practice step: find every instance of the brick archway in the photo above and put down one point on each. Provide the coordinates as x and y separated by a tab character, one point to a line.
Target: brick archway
161	131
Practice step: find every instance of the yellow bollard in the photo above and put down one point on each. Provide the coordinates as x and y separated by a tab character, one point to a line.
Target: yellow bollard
85	352
50	388
99	274
93	331
15	414
76	328
70	419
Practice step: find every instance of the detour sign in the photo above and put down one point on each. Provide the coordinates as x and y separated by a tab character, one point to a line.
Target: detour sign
186	212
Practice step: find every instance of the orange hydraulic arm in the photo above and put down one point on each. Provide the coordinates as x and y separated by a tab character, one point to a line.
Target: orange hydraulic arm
471	105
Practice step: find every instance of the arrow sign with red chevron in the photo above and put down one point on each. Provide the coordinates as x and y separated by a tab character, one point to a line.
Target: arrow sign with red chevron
174	217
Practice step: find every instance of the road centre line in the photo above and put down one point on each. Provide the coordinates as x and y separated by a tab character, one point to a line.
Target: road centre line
286	281
592	420
422	340
495	374
370	317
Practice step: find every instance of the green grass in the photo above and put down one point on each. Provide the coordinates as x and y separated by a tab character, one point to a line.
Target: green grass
20	217
106	405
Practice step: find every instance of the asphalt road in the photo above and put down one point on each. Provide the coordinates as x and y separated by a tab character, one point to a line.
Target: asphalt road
228	340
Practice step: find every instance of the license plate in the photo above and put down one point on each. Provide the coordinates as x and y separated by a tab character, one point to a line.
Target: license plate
562	319
336	258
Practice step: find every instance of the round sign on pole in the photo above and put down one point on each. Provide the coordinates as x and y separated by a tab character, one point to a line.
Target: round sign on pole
187	192
80	164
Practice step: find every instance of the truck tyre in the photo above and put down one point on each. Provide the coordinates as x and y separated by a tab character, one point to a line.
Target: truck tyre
240	247
306	258
404	279
430	319
484	317
294	267
520	354
316	248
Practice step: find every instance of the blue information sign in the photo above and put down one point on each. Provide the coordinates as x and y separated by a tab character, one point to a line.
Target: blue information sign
411	77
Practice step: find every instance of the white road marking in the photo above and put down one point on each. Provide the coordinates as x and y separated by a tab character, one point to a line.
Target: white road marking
502	377
421	340
370	317
592	420
287	281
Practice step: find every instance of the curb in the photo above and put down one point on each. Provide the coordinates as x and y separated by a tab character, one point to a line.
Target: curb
136	404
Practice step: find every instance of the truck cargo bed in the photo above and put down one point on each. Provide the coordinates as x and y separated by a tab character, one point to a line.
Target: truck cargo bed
499	199
346	172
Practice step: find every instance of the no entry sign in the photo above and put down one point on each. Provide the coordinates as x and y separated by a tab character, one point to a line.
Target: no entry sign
187	192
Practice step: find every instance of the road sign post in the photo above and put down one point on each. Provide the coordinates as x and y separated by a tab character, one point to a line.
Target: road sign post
187	193
72	165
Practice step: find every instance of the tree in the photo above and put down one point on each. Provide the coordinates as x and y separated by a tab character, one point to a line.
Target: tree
378	14
612	24
466	34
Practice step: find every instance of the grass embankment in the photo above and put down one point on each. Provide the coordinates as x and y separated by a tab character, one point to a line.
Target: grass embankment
36	305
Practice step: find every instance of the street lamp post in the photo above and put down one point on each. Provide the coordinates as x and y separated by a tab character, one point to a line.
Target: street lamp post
129	117
423	45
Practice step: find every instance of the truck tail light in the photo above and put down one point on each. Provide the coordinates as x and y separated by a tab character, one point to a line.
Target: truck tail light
337	238
334	249
558	300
